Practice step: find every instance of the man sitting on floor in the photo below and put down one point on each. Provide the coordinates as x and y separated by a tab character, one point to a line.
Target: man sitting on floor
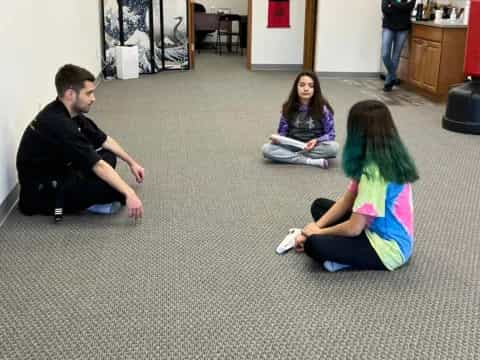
65	163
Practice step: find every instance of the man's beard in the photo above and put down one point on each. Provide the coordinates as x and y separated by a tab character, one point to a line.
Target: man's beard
81	109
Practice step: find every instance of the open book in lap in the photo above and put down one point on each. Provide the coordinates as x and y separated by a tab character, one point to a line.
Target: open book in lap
283	140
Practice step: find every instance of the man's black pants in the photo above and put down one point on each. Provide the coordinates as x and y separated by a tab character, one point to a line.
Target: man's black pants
80	191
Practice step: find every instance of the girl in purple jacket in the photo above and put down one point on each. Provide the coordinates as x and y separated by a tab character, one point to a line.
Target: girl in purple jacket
306	133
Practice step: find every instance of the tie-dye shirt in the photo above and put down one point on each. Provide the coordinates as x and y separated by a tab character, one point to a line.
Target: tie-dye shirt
390	209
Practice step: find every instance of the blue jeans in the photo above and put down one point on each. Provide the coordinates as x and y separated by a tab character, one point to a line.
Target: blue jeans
392	44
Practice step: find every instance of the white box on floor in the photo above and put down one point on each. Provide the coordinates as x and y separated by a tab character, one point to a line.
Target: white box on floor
126	60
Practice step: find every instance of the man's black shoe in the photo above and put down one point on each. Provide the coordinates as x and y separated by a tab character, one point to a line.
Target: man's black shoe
388	87
396	82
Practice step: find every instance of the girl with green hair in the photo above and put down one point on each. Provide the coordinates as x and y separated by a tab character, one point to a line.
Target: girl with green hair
371	225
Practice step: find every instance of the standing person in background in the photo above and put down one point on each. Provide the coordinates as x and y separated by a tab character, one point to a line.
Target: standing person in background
396	24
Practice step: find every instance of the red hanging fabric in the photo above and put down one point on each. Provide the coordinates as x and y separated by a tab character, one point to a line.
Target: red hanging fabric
472	49
279	13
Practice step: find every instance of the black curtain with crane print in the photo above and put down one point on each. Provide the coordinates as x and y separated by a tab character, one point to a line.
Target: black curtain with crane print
173	18
157	27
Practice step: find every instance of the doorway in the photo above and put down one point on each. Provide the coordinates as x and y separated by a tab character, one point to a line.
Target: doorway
311	8
204	20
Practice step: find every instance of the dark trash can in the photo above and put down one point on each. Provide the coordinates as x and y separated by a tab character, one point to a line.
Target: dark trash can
463	108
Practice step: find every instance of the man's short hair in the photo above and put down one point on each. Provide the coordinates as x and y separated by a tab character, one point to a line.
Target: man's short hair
71	77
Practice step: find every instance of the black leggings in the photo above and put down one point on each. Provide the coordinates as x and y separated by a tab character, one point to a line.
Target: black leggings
355	251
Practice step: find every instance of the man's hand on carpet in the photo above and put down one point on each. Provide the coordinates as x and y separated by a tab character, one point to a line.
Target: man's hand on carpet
135	206
138	172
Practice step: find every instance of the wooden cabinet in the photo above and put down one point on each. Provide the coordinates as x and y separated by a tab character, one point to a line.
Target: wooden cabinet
431	66
425	64
416	63
433	59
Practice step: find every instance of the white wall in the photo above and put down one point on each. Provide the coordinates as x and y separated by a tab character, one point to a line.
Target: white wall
239	7
282	46
37	38
348	36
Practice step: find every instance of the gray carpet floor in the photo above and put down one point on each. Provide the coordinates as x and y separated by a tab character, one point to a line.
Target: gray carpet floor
198	278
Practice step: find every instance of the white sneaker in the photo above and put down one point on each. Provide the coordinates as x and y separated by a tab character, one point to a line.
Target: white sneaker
289	241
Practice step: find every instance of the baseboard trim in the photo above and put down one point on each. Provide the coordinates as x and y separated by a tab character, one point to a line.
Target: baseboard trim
347	75
99	79
277	67
9	204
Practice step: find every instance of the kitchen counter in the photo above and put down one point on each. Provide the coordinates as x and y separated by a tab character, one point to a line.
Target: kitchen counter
445	23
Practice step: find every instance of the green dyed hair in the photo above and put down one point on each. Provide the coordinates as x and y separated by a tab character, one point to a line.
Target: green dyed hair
372	138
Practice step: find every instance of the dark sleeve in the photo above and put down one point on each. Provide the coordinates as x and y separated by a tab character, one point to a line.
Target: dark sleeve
403	6
92	132
387	7
76	147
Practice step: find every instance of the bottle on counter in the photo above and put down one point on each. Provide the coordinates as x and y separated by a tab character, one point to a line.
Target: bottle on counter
453	15
419	11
